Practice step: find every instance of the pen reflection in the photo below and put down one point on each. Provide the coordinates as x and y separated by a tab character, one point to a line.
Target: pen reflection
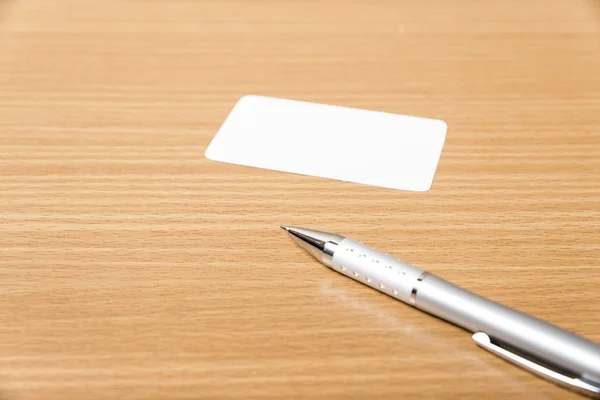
373	312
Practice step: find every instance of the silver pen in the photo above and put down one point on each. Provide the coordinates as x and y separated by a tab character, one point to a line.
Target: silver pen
544	349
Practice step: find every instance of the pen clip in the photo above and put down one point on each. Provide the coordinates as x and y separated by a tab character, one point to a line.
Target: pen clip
483	340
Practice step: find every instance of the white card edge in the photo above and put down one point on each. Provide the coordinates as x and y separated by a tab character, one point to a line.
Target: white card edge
209	156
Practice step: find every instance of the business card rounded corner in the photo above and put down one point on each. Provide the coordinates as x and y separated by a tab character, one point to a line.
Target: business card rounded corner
422	189
247	98
209	154
443	127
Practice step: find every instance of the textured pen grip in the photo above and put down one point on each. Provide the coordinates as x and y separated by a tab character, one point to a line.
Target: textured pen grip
376	269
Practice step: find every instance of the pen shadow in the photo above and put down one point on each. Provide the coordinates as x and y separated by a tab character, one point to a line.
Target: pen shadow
372	311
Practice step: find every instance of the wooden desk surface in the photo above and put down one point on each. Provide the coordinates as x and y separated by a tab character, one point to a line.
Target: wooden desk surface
132	267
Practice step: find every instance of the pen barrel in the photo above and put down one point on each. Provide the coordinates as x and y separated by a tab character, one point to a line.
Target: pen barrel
532	337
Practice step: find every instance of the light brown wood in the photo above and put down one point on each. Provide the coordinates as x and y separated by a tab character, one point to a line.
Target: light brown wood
132	267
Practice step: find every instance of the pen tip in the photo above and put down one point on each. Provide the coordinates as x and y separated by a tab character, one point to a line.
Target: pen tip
286	228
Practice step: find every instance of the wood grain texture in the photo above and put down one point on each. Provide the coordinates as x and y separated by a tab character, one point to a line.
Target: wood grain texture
132	267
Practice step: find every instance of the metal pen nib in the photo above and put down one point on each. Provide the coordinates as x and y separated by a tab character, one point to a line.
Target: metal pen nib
321	245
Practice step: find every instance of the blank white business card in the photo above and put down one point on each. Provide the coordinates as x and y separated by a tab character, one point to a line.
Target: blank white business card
369	147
